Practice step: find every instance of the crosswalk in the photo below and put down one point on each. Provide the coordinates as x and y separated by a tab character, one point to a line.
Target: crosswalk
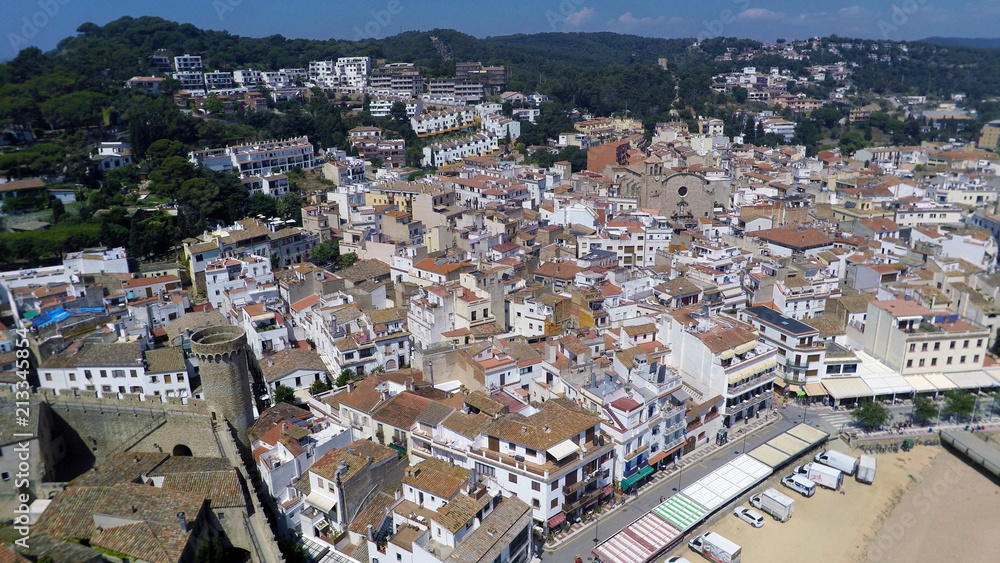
836	419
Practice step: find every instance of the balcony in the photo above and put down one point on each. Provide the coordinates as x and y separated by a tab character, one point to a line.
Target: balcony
667	446
582	501
570	489
789	364
751	383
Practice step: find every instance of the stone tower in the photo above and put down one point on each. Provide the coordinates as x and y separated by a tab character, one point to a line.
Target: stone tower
225	379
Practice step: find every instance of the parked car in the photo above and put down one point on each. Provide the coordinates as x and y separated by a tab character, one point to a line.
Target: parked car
749	515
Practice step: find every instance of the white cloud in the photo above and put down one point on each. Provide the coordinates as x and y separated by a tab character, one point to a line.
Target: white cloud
628	20
758	14
850	11
578	18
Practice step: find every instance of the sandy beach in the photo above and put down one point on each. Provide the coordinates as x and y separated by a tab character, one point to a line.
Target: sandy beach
952	514
848	527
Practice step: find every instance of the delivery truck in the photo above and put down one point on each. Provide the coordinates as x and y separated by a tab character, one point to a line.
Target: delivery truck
866	469
716	548
775	503
821	475
837	460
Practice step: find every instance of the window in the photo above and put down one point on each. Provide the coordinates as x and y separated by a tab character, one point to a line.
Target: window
961	360
5	476
933	361
923	347
555	503
975	358
134	373
909	363
979	343
948	361
937	346
104	373
921	363
951	346
555	484
48	376
399	557
87	374
168	378
913	347
512	477
180	378
72	377
536	486
965	344
535	503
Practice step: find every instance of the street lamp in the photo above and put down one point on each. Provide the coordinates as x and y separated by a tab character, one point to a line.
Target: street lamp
679	475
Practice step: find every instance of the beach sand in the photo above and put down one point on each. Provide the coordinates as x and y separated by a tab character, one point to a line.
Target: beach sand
831	526
952	514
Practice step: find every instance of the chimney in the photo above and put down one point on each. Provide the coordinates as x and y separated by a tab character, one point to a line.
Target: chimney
430	372
473	478
183	523
370	532
284	426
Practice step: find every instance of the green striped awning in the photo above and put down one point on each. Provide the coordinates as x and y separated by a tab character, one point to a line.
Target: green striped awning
680	511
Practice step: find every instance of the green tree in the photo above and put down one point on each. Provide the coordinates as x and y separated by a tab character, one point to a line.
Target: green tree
924	408
851	142
58	210
996	344
163	149
318	387
347	260
284	394
871	414
961	403
289	206
344	378
213	104
209	552
262	204
740	94
326	252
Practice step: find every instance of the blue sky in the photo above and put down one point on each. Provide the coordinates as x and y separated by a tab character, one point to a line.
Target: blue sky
45	22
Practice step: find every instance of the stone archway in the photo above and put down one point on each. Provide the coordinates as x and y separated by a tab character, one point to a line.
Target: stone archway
181	450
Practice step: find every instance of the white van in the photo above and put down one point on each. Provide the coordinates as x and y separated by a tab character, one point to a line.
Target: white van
800	484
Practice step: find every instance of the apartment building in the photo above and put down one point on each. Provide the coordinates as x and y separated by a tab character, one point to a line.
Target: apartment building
635	239
800	351
439	154
188	63
396	79
230	273
286	440
441	312
557	459
500	126
117	368
446	514
721	356
429	124
190	80
259	159
381	105
219	80
914	340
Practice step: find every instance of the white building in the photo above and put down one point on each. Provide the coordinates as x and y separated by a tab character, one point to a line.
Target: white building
428	124
117	368
259	159
500	126
231	273
188	63
439	154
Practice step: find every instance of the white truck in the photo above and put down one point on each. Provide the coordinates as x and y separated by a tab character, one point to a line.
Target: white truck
716	548
821	475
866	469
837	460
775	503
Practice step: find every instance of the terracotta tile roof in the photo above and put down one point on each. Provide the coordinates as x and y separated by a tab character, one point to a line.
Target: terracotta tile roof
155	535
373	513
468	425
437	477
484	403
401	410
290	360
161	360
555	421
558	270
794	237
364	397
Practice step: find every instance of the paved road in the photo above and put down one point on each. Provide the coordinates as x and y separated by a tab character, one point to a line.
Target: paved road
583	542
